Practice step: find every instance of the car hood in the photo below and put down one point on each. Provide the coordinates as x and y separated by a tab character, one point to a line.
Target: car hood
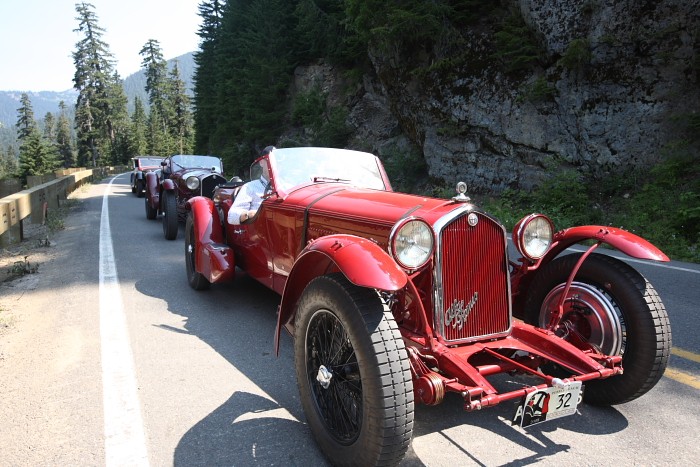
381	209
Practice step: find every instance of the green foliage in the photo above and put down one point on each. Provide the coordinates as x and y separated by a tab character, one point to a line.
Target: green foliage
406	169
516	45
577	55
326	126
538	91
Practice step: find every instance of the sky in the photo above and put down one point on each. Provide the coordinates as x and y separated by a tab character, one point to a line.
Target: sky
37	38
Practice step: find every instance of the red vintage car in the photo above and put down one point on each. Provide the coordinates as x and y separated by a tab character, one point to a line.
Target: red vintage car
143	165
396	299
180	177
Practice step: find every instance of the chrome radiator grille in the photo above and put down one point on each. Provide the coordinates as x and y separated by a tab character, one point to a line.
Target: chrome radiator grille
473	284
209	183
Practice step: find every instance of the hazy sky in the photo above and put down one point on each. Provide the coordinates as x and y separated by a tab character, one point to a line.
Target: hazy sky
37	38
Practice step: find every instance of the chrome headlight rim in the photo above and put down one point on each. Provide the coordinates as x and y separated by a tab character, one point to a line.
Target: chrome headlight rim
192	182
397	246
525	231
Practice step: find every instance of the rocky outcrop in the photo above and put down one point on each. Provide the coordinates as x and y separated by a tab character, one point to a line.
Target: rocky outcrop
617	110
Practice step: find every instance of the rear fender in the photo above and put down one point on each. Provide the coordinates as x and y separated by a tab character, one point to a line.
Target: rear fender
213	258
362	261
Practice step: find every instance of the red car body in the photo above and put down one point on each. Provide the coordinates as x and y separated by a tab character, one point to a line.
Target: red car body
450	318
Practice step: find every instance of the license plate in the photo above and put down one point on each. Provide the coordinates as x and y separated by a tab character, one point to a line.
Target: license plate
548	404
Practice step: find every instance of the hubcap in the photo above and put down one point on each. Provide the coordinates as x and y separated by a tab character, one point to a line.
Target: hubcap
591	313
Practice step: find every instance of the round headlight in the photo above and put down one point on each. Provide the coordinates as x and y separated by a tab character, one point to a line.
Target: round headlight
192	183
533	236
412	243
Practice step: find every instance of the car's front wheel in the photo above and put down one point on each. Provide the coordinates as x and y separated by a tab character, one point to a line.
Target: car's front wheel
169	215
139	188
613	307
196	280
151	212
353	374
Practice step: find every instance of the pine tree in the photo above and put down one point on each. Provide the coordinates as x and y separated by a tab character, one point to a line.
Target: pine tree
205	76
139	126
99	108
181	126
157	83
64	138
37	156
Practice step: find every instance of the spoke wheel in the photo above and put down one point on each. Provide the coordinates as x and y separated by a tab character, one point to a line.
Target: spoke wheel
353	374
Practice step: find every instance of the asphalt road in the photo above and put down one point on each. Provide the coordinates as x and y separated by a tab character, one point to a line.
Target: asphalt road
114	360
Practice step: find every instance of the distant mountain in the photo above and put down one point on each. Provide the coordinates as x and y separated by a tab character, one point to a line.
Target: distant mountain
47	101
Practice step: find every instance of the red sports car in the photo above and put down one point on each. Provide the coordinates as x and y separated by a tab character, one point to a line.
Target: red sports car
396	299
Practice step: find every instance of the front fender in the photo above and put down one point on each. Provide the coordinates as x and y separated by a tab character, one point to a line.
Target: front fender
362	261
168	185
625	241
213	258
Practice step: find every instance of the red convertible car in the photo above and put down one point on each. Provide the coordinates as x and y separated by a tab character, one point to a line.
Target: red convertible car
396	299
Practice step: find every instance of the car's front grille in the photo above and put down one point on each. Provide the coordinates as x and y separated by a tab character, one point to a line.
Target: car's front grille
472	280
209	183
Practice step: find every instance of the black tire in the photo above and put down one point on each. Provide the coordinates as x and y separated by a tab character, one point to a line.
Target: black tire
151	213
139	188
615	308
364	416
196	280
169	216
133	185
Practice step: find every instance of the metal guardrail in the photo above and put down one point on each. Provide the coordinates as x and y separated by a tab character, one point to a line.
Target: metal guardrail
34	203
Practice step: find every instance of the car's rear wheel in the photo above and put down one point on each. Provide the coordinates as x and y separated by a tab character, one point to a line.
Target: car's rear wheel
169	215
613	307
139	188
353	374
196	280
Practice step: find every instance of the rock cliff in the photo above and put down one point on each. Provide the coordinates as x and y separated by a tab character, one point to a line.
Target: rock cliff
616	108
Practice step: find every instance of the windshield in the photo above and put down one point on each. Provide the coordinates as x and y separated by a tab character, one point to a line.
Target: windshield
197	162
150	161
298	166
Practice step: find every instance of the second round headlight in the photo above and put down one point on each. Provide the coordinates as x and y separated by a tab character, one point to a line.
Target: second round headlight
192	183
412	243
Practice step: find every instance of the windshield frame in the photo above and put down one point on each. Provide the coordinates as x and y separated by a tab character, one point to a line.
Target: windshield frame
196	161
294	168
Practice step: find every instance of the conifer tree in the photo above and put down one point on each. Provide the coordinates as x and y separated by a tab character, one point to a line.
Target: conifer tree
139	128
157	83
37	156
64	138
181	126
99	106
205	75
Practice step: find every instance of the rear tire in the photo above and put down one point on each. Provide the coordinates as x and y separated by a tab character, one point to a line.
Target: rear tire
169	216
196	280
615	308
362	412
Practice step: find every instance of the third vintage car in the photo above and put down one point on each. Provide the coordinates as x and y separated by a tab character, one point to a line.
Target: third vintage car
396	299
180	177
143	165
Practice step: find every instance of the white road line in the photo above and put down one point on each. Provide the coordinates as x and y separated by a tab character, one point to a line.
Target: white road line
125	441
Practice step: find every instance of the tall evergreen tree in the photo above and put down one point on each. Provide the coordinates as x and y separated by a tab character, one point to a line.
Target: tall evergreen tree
139	128
37	156
157	82
50	127
64	138
205	75
99	106
181	126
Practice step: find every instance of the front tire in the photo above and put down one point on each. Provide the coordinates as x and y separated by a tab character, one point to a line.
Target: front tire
169	216
151	213
616	309
353	374
196	280
139	188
